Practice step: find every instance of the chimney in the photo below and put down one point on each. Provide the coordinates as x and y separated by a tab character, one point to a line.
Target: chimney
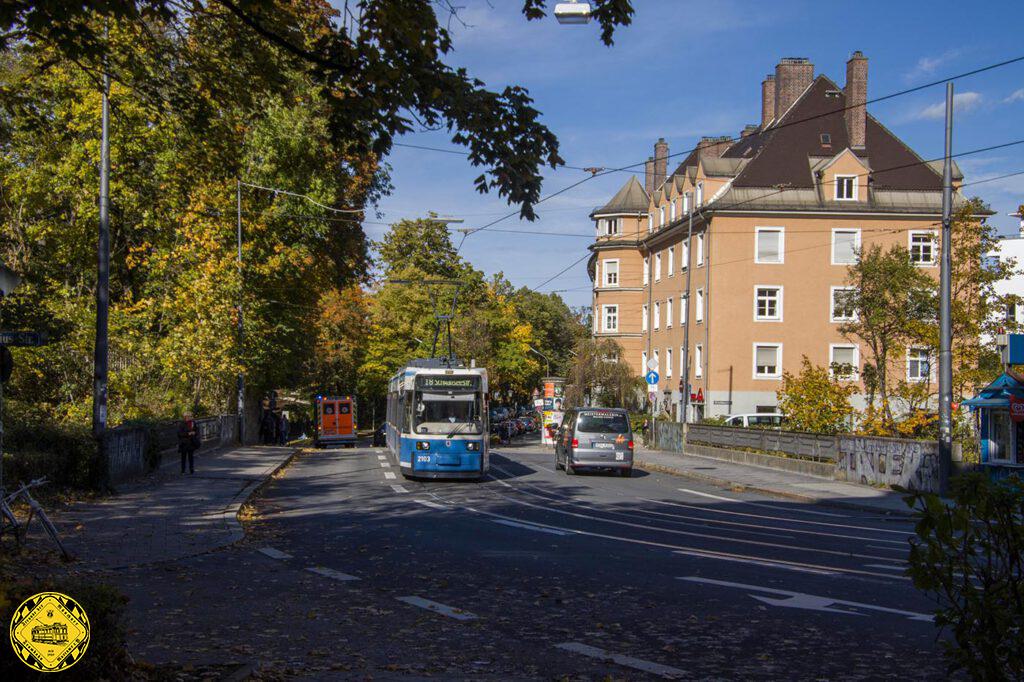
856	91
714	146
649	175
660	161
767	100
792	76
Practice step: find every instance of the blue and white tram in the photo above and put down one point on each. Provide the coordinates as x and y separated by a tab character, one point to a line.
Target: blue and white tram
437	420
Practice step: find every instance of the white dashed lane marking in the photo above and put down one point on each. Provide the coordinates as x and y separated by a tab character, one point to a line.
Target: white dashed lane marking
770	563
385	465
627	661
331	573
527	526
274	553
382	458
390	475
399	489
443	609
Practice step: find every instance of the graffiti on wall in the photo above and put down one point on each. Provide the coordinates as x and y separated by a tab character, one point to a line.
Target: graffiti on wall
890	461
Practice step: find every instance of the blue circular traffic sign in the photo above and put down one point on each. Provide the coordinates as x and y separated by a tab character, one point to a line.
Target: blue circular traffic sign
652	378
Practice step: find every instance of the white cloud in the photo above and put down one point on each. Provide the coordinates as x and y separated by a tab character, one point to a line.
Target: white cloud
926	66
1015	96
964	102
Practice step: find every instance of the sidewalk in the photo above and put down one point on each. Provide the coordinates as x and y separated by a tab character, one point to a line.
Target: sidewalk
168	515
773	481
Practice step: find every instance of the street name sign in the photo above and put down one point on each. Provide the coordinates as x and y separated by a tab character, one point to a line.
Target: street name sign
652	378
15	338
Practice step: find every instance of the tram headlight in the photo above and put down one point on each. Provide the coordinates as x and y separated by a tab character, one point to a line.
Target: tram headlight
472	446
422	445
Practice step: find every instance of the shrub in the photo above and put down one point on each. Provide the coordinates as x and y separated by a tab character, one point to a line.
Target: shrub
106	658
64	453
969	556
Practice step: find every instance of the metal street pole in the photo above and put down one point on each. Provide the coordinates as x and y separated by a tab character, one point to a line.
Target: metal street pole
241	330
945	318
686	319
102	350
547	362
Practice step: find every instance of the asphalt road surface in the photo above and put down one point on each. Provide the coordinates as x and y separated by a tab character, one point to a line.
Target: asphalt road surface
534	574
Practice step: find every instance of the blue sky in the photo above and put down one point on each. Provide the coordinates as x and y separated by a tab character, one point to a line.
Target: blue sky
686	69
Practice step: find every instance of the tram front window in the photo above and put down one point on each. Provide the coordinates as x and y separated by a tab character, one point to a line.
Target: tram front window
448	414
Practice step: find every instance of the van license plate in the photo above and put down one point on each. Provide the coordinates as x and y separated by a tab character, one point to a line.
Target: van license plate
620	456
607	446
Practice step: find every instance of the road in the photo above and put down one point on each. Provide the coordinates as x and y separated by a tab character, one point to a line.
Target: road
532	574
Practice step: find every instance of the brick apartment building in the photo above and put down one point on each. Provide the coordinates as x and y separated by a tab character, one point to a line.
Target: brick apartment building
779	213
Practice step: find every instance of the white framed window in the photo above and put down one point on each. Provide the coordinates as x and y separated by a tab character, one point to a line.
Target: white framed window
699	311
699	199
661	216
843	360
846	187
767	303
650	222
668	313
683	317
643	362
919	365
643	312
769	244
647	270
657	359
597	275
657	267
671	261
600	227
612	358
845	245
668	362
610	268
767	360
613	226
841	304
686	203
610	318
682	364
700	249
672	212
657	315
922	247
698	360
684	255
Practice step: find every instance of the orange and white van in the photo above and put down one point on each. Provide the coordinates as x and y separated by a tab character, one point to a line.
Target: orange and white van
335	420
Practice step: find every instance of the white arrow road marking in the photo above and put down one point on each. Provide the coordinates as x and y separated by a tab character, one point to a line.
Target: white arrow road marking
443	609
770	563
390	475
628	661
331	573
756	504
528	526
399	489
274	553
811	602
432	505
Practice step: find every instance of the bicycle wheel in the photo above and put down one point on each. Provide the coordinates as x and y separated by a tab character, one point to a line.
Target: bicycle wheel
51	530
9	520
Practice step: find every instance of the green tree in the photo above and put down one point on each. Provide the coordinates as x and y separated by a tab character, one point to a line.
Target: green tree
596	377
817	400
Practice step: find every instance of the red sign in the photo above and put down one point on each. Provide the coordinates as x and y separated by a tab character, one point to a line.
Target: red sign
1016	409
697	397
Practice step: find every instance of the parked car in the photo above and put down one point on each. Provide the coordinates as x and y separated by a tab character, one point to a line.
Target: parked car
764	420
595	438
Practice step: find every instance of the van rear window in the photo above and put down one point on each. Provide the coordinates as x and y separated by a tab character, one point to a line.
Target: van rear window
602	422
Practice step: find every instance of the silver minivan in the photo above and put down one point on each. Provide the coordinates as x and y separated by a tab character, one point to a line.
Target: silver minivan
595	438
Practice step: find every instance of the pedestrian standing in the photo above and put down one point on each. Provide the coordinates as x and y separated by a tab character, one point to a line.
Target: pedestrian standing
269	428
282	429
188	442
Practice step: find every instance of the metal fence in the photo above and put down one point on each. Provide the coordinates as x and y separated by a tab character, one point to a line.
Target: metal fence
814	446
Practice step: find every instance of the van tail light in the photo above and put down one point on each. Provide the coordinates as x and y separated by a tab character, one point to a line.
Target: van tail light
630	445
575	442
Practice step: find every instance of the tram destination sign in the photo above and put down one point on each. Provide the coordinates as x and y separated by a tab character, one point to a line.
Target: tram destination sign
15	338
446	382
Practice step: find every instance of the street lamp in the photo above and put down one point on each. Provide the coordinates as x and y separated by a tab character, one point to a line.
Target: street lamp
547	362
572	12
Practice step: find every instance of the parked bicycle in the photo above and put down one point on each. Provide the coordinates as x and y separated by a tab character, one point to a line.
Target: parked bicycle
10	521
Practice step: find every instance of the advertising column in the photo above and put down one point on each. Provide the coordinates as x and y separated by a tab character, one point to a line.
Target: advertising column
554	388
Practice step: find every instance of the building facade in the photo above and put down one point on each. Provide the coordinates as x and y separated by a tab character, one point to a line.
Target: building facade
747	244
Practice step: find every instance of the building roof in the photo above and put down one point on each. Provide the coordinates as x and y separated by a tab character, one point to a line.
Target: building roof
631	198
779	156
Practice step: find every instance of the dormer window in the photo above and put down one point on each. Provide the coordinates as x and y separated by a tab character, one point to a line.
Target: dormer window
699	201
661	216
846	187
686	203
826	139
613	226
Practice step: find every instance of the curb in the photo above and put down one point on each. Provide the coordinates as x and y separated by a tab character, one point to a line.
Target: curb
244	495
725	483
